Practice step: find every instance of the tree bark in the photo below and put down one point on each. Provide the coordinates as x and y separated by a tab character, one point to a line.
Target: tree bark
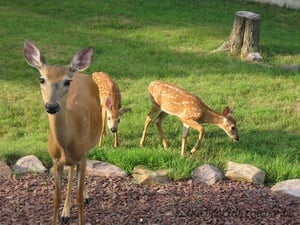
244	37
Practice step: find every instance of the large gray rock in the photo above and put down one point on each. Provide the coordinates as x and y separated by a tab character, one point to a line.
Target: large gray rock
142	175
207	174
5	171
103	169
290	187
245	172
29	163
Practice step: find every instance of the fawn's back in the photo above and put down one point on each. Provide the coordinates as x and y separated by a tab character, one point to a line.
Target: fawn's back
176	101
107	87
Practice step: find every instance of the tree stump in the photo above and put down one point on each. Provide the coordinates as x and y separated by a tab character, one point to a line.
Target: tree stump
244	37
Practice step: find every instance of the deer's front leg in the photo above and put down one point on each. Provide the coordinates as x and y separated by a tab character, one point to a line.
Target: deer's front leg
155	109
65	216
184	138
103	124
199	128
57	175
147	123
160	118
116	139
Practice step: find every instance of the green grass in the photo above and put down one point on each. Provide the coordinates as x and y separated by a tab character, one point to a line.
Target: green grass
139	41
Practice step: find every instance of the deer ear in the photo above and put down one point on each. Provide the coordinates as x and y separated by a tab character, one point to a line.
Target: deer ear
125	110
82	60
108	103
33	56
227	112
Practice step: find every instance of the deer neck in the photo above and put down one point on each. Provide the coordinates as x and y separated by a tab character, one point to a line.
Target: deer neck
59	127
211	116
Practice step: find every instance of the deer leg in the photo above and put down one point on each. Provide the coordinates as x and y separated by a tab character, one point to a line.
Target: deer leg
81	168
116	139
197	144
65	216
184	138
160	118
199	128
102	133
147	123
57	172
87	199
155	109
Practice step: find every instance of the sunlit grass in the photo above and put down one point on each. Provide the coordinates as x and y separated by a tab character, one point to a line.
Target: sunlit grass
139	41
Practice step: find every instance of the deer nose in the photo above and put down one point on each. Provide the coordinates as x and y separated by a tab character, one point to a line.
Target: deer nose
52	107
236	138
113	129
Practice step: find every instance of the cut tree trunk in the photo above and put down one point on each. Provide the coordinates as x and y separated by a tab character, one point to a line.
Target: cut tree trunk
244	37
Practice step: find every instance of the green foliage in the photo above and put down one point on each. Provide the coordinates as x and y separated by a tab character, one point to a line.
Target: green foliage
149	157
139	41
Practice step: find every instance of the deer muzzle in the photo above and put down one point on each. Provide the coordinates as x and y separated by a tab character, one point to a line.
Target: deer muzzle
52	107
236	138
114	129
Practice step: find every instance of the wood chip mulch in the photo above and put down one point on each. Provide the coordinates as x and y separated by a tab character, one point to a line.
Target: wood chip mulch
28	200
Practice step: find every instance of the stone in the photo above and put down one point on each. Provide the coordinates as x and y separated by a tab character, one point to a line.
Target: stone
254	56
5	171
103	169
29	163
290	67
207	174
142	175
245	172
292	4
289	187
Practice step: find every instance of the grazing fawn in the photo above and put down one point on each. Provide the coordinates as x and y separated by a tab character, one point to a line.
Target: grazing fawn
110	98
167	99
72	103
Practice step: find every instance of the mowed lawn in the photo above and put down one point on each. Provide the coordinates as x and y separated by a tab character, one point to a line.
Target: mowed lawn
140	41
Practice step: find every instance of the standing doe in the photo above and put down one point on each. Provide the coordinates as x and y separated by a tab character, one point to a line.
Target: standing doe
72	104
110	98
167	99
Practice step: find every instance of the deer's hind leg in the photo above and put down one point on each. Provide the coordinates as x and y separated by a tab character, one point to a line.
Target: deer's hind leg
81	191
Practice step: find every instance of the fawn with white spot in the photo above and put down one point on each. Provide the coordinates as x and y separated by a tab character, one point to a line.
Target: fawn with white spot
168	99
110	97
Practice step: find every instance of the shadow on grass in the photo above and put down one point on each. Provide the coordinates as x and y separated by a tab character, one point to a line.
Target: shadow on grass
108	29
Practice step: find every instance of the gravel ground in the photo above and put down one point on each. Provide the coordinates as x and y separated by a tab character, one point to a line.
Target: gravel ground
28	200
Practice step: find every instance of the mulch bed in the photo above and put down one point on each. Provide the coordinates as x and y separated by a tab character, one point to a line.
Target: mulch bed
28	200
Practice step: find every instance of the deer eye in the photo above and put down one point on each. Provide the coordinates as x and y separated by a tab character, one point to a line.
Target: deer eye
119	120
232	128
67	82
42	80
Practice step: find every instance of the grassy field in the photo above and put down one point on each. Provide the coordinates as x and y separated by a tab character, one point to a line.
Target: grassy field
139	41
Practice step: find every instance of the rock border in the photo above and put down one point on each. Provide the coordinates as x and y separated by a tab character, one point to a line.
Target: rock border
206	173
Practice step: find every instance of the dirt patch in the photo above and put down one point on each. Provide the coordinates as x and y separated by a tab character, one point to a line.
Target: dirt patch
28	200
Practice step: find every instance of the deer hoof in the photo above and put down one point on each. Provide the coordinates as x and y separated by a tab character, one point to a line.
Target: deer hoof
193	151
87	200
65	220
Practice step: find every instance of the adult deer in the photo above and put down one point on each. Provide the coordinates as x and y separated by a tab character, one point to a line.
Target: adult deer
167	99
110	97
72	104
